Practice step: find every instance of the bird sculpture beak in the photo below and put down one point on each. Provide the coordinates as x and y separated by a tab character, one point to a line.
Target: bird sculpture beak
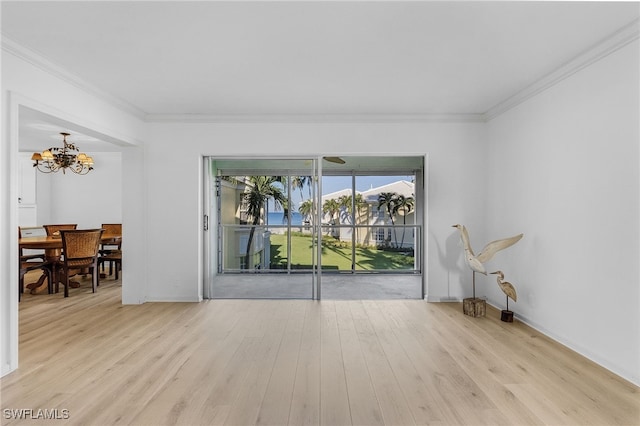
495	273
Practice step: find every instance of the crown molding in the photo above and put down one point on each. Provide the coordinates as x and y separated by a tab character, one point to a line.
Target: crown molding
315	118
36	59
616	41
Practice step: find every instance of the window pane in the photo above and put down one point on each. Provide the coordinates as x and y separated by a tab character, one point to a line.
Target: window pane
336	249
278	249
366	229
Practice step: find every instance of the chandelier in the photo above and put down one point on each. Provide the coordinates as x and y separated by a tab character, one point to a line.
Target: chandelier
55	159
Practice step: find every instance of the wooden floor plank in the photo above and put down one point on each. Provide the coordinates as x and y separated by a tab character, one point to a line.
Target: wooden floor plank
391	398
247	405
334	399
276	404
305	401
363	401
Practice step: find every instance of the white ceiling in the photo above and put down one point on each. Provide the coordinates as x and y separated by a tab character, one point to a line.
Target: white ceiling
311	58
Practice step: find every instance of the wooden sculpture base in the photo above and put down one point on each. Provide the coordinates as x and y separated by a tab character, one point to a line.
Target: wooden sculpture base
507	316
474	307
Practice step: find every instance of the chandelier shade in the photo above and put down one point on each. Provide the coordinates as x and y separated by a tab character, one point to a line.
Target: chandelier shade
67	157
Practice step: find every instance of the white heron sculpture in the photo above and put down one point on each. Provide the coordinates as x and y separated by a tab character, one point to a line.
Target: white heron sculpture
476	263
506	287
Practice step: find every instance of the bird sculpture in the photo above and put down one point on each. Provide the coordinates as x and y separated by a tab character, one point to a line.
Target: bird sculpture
476	263
506	287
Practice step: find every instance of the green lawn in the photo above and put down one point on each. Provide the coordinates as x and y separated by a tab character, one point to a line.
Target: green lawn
336	255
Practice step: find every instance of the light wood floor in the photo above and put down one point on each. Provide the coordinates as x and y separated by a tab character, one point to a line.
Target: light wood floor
297	362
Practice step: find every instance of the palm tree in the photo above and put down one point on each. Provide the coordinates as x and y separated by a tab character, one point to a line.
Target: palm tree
285	209
331	207
259	190
387	200
296	182
346	204
306	210
405	205
346	208
284	181
300	182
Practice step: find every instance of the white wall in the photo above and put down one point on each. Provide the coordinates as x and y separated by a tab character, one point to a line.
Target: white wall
564	170
455	183
88	200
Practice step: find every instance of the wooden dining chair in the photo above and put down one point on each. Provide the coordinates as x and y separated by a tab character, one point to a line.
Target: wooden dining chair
32	261
31	231
112	228
114	258
107	249
80	251
52	229
24	267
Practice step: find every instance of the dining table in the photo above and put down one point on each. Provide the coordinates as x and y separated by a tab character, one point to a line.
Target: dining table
52	246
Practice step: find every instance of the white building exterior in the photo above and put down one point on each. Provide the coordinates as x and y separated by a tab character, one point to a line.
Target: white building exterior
373	224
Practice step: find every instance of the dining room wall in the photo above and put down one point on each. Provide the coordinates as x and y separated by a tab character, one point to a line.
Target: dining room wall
88	200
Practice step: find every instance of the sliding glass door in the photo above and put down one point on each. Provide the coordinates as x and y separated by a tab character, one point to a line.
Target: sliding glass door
306	227
265	245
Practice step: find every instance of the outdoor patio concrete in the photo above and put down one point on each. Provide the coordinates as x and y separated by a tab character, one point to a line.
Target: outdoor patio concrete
333	286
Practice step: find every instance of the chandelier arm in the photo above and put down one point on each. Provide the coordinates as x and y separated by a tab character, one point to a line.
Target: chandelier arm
43	170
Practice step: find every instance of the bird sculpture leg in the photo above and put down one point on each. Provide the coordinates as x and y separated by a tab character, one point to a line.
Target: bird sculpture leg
474	284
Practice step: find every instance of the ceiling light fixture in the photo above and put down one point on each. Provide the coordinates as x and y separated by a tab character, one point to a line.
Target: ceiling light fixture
55	159
336	160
